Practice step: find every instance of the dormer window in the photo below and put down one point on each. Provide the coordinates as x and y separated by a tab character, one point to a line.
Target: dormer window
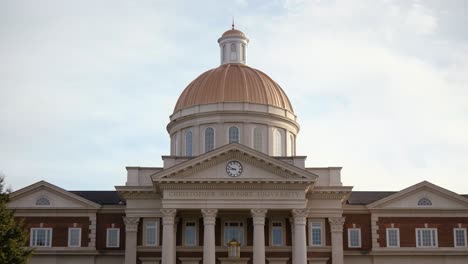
42	201
424	202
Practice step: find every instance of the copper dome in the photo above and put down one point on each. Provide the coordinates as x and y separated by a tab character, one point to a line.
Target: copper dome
233	32
233	83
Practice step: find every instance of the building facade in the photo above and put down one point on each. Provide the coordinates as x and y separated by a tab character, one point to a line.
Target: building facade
233	175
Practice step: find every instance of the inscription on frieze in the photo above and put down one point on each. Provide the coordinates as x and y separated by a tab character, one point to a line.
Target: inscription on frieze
248	194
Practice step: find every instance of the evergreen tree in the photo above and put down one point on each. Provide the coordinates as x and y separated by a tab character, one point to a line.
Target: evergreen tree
13	236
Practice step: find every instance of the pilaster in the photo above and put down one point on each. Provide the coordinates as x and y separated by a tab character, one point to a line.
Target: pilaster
131	228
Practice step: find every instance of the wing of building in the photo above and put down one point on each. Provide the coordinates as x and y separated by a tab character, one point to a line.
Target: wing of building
233	190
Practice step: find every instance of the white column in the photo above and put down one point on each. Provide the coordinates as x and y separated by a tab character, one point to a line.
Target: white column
176	222
168	256
293	248
131	229
258	216
300	241
209	247
336	227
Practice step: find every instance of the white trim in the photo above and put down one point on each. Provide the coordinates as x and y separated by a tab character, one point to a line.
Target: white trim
433	239
33	243
322	232
184	223
157	227
118	237
69	236
283	230
359	237
455	237
397	236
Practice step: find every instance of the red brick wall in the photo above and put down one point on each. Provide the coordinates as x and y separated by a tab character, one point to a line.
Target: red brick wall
408	225
362	221
105	221
60	227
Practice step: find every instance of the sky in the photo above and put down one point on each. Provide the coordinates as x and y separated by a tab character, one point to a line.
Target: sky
379	87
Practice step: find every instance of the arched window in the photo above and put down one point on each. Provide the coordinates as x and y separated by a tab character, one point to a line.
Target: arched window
258	139
233	135
424	202
209	139
278	144
233	52
42	201
188	143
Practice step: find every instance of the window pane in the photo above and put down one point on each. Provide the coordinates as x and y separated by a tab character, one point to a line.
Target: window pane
354	238
151	233
233	134
74	237
209	139
392	237
258	144
188	143
277	233
460	238
190	234
112	237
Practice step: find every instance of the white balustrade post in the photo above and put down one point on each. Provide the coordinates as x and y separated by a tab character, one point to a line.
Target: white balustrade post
258	216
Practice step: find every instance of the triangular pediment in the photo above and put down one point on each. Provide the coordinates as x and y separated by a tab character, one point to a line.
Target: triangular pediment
256	166
422	196
43	195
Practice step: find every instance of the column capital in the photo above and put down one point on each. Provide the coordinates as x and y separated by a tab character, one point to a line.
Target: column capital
131	223
209	216
168	216
336	223
299	216
258	216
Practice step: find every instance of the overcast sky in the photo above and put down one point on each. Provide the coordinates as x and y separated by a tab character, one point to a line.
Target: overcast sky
379	87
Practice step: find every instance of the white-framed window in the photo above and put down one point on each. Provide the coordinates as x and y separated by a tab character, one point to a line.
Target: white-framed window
188	143
190	233
74	237
258	139
277	233
424	202
234	230
316	233
459	237
41	237
393	237
426	237
113	237
234	135
151	232
278	143
354	237
209	139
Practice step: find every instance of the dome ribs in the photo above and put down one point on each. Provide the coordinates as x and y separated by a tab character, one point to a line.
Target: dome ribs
233	83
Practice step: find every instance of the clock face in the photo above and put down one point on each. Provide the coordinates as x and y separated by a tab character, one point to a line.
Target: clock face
234	168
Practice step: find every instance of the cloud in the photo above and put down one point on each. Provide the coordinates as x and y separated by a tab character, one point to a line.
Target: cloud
86	87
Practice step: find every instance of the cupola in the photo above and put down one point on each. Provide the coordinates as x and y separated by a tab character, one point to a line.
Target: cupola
233	46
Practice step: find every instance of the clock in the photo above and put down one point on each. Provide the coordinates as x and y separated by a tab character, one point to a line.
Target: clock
234	168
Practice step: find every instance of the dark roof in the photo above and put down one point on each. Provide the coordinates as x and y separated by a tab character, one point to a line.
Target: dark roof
101	197
363	198
464	195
